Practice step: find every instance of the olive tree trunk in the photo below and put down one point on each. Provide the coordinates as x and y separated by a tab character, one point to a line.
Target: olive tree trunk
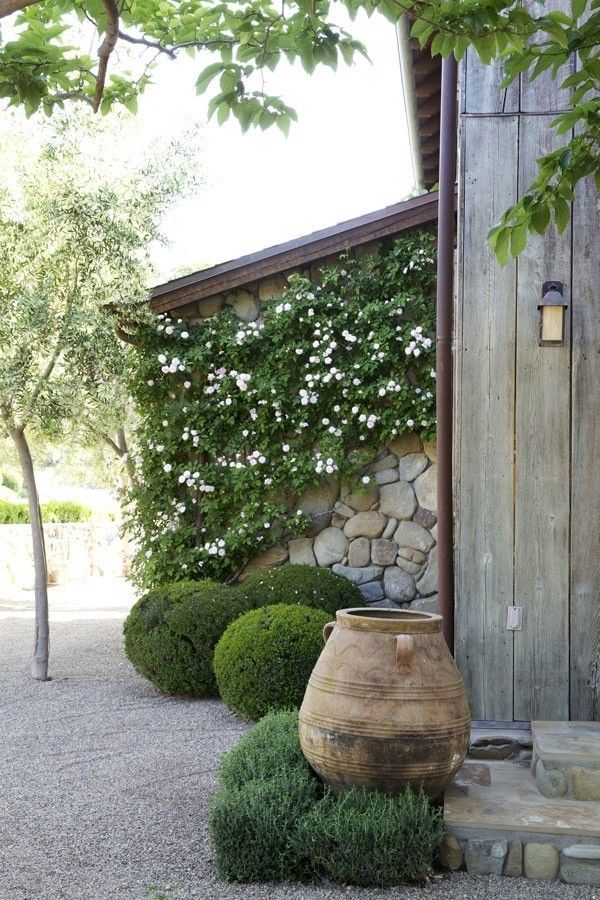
41	646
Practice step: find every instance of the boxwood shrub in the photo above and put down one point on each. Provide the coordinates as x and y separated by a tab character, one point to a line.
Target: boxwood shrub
264	659
62	511
274	820
307	585
171	633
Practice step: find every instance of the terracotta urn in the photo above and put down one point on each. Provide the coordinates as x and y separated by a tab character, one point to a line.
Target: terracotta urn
385	706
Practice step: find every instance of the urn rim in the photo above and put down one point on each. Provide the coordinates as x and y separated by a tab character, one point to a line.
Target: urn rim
390	621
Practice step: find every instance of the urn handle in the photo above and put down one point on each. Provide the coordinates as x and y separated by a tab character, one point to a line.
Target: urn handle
327	630
405	648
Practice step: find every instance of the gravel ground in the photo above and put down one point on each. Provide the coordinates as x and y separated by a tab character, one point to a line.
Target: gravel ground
104	786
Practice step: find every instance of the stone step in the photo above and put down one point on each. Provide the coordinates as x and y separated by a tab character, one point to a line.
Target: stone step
497	823
566	759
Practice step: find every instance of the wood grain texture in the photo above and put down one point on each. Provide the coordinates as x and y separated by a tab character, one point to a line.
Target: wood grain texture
585	488
485	423
542	453
482	93
544	94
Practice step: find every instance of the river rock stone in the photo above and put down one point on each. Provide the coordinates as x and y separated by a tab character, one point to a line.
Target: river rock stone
398	585
397	500
210	306
412	555
245	305
360	575
343	510
585	783
389	529
425	518
582	851
372	592
272	288
301	552
410	534
359	553
365	524
540	861
426	604
411	567
360	500
390	461
383	553
431	450
580	871
337	521
412	465
426	489
406	443
550	782
450	853
485	857
330	546
386	476
427	584
318	503
513	864
274	556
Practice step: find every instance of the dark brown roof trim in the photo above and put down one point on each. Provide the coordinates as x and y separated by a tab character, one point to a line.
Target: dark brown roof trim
274	260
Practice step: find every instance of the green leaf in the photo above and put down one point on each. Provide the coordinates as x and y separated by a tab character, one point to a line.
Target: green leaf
518	239
206	76
562	213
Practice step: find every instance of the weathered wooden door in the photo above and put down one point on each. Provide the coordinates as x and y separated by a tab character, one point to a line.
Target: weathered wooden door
527	426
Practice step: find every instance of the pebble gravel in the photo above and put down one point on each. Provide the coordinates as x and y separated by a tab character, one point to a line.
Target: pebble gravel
104	786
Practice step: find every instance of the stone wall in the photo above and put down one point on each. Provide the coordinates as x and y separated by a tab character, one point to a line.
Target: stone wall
382	538
74	551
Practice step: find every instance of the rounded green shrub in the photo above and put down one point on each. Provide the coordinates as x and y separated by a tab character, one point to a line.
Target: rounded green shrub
13	513
369	838
171	633
253	827
65	511
272	746
307	585
264	659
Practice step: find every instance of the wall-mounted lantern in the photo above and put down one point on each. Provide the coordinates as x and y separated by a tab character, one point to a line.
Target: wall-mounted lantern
552	309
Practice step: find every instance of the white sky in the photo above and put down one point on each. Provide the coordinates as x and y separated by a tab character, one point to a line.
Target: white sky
348	154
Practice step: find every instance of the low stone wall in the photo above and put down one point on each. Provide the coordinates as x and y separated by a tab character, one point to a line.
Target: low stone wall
74	551
383	538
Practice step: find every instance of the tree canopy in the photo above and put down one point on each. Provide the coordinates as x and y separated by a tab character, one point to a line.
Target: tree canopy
45	60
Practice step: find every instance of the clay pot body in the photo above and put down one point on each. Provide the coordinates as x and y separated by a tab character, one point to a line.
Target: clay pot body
385	706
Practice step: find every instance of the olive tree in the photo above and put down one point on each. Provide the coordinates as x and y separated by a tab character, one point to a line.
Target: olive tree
74	245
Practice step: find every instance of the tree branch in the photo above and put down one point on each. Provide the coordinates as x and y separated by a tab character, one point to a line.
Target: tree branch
106	48
145	42
8	7
75	95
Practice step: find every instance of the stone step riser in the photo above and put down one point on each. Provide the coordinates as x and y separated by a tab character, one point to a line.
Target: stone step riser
566	760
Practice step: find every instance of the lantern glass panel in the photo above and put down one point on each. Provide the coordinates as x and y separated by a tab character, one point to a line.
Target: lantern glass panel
552	323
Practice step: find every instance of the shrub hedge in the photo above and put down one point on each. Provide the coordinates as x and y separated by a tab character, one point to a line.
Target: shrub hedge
62	511
369	838
264	659
307	585
171	632
274	820
269	748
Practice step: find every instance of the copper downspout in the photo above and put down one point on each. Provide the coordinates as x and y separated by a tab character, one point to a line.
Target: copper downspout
445	270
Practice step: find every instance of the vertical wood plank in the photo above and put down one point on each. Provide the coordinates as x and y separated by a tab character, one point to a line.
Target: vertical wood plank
544	94
485	426
585	489
482	93
542	507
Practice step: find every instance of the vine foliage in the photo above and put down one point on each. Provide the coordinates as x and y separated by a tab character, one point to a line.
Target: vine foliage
238	421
